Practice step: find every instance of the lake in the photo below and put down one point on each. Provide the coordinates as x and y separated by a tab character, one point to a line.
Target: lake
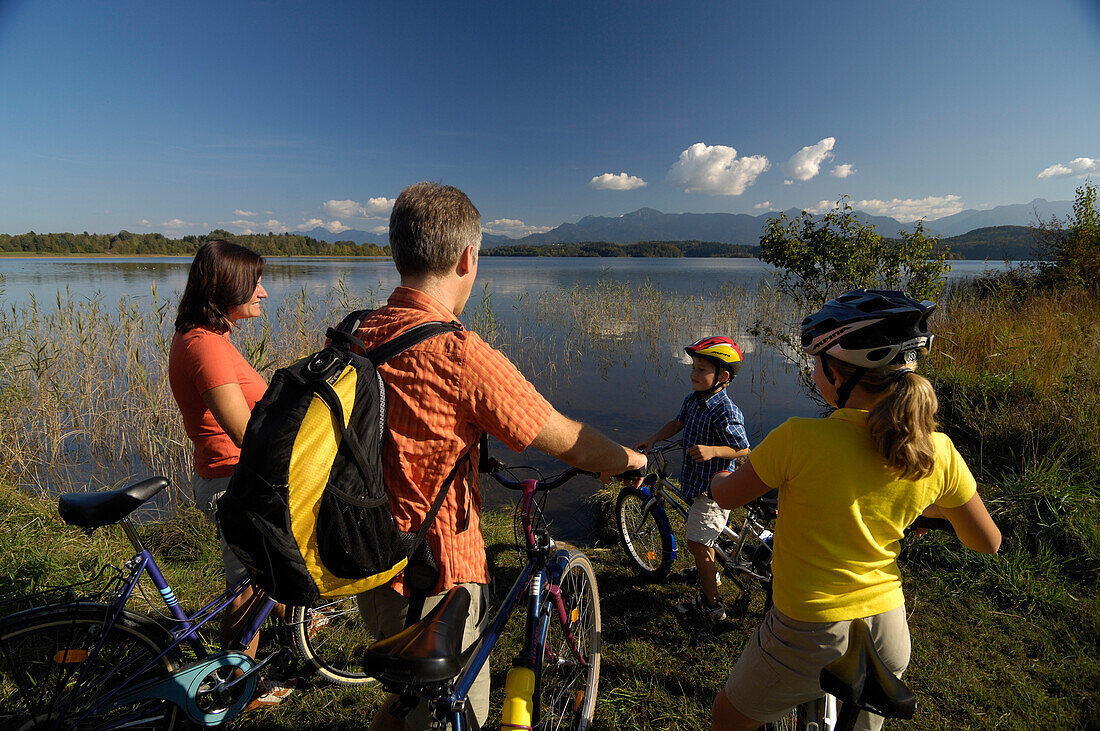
601	338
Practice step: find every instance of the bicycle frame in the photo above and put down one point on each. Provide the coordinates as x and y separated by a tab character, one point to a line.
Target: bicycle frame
174	687
539	579
661	491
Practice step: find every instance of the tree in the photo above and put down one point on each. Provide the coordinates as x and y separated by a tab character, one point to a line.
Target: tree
1069	250
820	260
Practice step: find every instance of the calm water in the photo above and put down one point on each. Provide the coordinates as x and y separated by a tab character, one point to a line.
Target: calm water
607	373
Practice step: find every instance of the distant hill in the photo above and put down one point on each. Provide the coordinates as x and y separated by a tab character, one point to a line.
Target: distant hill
647	224
647	249
992	242
359	237
1020	214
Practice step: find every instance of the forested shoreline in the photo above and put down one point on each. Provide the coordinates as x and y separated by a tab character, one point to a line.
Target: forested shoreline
155	244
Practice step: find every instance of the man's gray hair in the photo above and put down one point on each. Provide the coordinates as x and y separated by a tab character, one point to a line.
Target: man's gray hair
430	226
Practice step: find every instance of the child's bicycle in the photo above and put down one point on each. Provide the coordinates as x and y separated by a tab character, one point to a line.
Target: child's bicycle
743	552
857	682
95	664
553	681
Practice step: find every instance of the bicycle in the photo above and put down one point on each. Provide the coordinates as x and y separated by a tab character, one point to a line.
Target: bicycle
857	682
553	681
645	532
97	664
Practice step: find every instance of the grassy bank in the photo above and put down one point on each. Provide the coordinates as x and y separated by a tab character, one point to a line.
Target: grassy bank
1008	641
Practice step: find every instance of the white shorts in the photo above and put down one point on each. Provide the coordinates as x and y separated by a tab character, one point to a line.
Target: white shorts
705	521
207	492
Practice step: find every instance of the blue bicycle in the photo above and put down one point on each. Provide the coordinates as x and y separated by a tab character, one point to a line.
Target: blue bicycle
553	681
95	664
744	552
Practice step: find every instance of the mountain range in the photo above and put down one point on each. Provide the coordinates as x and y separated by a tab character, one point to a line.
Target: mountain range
647	224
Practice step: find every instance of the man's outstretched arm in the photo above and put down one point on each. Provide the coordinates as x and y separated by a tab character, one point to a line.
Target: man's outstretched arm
580	445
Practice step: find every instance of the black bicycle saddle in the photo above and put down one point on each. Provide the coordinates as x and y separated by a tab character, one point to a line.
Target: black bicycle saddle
428	652
860	677
95	509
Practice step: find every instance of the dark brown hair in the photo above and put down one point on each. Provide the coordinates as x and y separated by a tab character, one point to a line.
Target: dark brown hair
223	275
430	226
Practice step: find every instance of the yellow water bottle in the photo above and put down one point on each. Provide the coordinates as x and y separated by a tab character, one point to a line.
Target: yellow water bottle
519	691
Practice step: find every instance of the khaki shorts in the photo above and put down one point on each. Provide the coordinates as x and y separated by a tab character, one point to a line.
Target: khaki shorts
207	492
781	664
705	521
384	610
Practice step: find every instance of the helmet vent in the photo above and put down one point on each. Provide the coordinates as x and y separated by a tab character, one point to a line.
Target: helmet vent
879	354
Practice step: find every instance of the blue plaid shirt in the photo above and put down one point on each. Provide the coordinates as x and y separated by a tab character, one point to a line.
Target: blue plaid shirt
714	422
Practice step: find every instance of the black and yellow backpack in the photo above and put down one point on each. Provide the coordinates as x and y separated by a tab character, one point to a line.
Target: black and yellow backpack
306	510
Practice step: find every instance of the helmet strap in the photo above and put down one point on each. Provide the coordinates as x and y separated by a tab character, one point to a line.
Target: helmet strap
845	390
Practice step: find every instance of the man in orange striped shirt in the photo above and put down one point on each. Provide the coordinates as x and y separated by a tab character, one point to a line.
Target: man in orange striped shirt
442	394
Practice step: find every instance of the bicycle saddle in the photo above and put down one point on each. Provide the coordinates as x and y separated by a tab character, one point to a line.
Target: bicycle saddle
95	509
428	652
861	678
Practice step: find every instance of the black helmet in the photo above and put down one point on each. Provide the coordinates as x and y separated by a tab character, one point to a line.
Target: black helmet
869	328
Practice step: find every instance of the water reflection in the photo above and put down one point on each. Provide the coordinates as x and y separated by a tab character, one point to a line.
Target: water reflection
602	339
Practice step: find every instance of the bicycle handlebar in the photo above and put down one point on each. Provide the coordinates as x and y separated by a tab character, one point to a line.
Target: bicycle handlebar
497	469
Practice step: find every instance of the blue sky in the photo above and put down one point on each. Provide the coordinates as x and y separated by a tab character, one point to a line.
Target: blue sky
253	116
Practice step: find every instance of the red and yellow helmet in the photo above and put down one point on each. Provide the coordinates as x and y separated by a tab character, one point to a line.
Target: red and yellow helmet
719	350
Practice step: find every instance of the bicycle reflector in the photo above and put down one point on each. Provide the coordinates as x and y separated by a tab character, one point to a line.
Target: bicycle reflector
70	657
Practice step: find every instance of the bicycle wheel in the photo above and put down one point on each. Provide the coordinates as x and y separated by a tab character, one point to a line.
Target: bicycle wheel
331	639
50	678
648	543
567	686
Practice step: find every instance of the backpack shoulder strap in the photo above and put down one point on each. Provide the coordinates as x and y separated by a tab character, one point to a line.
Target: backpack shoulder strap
407	339
344	333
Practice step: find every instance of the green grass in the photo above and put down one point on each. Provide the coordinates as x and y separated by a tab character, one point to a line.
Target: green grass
990	651
1003	642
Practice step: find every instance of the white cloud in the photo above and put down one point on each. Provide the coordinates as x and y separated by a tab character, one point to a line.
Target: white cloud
611	181
511	227
715	170
378	206
237	224
910	209
1080	167
820	207
143	222
843	171
382	229
312	223
766	205
244	214
788	182
373	208
345	209
806	163
176	223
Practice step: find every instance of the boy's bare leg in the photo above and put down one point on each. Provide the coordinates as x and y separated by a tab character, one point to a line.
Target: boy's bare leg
704	565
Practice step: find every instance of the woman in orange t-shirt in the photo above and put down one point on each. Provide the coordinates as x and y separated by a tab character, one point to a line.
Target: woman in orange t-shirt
215	387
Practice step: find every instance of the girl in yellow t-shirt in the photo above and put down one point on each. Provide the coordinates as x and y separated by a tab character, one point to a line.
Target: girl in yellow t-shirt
849	485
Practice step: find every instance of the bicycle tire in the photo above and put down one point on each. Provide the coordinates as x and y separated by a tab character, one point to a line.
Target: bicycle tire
567	689
44	651
334	650
648	543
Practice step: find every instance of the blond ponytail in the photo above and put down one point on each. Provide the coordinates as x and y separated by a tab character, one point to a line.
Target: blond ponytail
902	421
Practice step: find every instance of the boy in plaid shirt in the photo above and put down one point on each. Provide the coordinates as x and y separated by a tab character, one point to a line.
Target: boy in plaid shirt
714	436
